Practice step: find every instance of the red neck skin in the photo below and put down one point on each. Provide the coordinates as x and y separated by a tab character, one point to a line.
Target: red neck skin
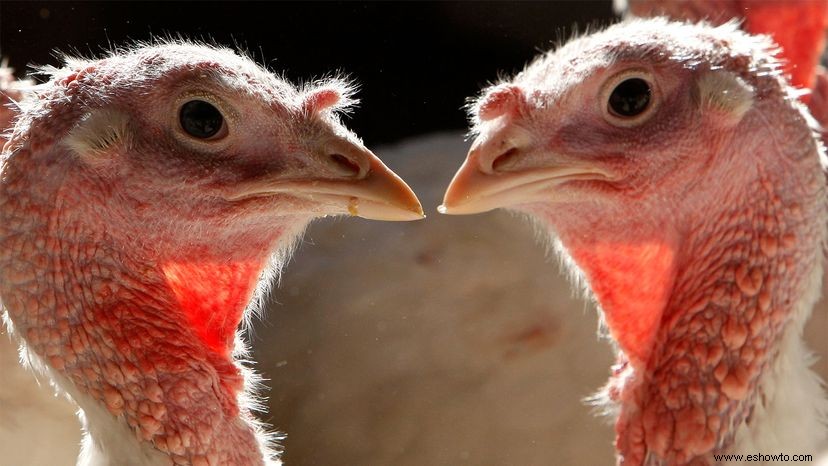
144	331
697	315
212	297
632	280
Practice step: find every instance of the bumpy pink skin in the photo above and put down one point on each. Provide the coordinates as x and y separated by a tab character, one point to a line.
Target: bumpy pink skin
704	237
128	275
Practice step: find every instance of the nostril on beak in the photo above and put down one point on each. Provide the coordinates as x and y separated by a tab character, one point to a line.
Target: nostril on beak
346	166
505	160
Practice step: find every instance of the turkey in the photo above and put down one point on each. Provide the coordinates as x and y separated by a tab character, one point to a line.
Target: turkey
684	183
146	201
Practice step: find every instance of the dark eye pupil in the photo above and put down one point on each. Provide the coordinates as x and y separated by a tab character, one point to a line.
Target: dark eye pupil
630	98
200	119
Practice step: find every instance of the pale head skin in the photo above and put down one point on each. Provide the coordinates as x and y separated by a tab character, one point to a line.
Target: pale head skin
697	224
130	250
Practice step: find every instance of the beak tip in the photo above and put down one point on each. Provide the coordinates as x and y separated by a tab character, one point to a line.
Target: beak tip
391	213
446	209
416	210
463	208
417	214
385	196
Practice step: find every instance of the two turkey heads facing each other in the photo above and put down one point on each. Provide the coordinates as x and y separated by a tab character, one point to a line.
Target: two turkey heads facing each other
143	198
681	179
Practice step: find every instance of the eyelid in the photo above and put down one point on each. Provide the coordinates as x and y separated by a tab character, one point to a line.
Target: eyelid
616	79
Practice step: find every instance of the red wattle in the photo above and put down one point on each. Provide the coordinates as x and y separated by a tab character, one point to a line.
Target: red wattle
213	297
632	282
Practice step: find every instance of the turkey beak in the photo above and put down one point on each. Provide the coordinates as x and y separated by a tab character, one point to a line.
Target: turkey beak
468	191
494	175
349	180
375	192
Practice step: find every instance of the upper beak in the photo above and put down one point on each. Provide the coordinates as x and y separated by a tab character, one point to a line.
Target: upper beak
378	195
473	191
493	176
363	187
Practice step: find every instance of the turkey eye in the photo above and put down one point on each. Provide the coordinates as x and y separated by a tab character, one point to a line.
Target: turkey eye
200	119
630	98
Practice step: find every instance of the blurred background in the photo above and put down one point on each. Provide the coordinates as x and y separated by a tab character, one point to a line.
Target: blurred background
454	340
